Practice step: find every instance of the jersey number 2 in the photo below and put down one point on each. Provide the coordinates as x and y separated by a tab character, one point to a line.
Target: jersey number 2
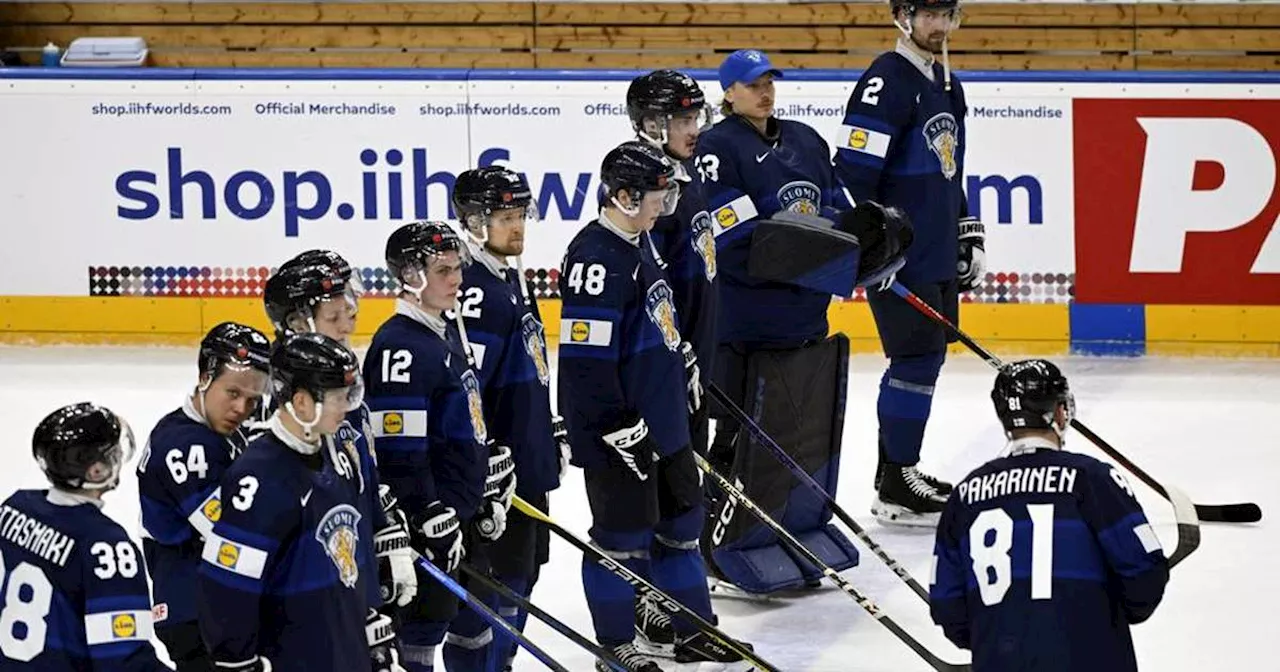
871	92
992	566
31	612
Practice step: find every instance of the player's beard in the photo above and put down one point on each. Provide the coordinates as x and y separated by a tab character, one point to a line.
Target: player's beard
513	248
931	44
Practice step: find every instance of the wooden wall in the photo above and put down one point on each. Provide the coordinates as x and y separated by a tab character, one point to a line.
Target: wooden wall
1236	36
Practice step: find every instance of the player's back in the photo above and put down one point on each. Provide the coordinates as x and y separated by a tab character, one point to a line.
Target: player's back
1043	559
73	588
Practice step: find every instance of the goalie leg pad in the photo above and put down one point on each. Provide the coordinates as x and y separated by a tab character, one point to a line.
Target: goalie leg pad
812	381
906	399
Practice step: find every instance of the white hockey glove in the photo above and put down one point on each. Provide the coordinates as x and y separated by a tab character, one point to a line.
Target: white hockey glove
971	267
560	433
692	372
441	536
631	442
500	484
384	653
257	664
397	582
491	520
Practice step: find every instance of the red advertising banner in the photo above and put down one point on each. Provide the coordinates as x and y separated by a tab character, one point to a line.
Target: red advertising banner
1176	201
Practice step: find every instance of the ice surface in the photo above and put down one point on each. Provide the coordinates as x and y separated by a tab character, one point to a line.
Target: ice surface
1205	425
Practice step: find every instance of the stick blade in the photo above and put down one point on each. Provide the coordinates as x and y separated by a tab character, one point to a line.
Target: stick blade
1229	513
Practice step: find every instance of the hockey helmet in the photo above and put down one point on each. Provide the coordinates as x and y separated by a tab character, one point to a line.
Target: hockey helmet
315	363
236	347
305	281
412	247
1027	395
69	442
480	192
660	95
637	168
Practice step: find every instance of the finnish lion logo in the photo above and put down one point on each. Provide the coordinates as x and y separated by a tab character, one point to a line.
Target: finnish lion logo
801	197
663	313
475	405
535	343
338	532
940	132
704	243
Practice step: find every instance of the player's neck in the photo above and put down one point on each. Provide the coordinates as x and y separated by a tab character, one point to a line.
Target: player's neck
921	57
413	309
74	497
1031	440
613	219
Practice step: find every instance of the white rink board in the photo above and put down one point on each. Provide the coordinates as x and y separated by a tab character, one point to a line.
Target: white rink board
92	178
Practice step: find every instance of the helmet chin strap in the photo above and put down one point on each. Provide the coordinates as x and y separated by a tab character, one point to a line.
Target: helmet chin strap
418	290
310	443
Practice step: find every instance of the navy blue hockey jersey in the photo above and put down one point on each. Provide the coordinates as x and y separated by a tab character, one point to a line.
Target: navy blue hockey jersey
73	589
282	566
510	348
427	415
619	345
902	144
1043	559
748	177
178	479
686	243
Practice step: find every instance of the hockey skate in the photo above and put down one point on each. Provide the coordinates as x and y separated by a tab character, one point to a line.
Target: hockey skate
944	488
710	655
654	636
629	656
905	497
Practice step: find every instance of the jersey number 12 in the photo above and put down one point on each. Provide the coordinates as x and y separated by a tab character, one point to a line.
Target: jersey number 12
992	566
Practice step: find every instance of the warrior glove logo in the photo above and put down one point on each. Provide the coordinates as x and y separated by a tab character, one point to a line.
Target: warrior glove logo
338	534
535	343
663	313
704	243
800	197
940	133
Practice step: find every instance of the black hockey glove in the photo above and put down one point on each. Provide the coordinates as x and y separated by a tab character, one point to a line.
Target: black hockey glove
883	234
694	384
384	652
560	433
397	582
500	484
257	664
971	267
438	536
631	442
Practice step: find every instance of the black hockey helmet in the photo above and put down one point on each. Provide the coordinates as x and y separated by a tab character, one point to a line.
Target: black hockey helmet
912	6
480	192
71	440
638	167
303	282
315	363
1027	394
236	347
411	248
661	94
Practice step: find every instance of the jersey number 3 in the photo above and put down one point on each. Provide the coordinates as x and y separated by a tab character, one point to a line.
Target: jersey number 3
25	580
991	540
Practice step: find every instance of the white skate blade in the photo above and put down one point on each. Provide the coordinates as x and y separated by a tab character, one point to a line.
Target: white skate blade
724	589
895	514
653	649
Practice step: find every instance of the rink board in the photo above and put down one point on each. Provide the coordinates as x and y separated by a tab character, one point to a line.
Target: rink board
1126	212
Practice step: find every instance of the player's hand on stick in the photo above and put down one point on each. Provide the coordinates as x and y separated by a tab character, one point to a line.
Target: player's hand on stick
384	653
397	581
500	484
694	375
560	433
971	267
440	536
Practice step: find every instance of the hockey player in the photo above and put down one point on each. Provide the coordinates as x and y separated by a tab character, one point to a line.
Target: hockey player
428	417
316	291
668	110
504	329
756	166
283	562
623	389
902	144
178	477
74	592
1044	557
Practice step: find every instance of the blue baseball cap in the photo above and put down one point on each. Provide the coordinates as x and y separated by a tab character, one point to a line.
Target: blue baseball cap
745	65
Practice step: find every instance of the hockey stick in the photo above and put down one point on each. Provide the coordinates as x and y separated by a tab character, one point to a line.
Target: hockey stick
643	587
1215	513
557	625
487	614
863	601
803	476
1187	514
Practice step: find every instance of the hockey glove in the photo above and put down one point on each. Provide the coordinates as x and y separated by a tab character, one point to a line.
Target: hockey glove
971	268
491	520
883	234
440	536
397	581
694	375
560	433
631	442
257	664
500	484
384	653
